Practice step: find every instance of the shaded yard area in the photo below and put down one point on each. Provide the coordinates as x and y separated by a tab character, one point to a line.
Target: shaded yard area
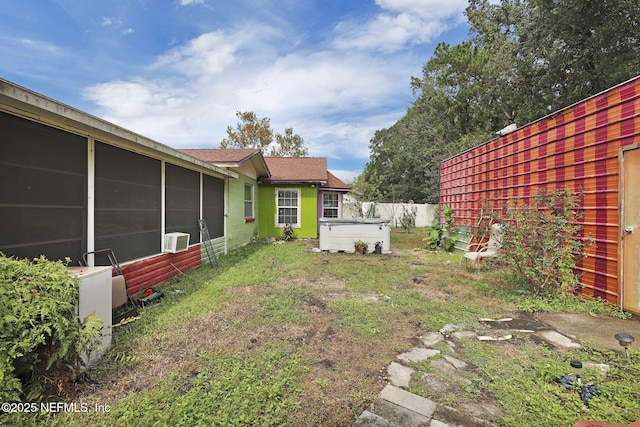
281	336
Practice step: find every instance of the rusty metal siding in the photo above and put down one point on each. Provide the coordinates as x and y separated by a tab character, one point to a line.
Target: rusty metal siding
151	271
575	148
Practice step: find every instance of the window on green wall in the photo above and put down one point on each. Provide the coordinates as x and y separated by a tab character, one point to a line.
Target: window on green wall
248	201
330	205
288	207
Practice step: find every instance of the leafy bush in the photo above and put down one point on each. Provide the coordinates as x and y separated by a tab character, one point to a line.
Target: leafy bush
408	218
439	236
41	336
540	242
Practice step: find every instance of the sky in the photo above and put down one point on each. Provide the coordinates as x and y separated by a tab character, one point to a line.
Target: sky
177	71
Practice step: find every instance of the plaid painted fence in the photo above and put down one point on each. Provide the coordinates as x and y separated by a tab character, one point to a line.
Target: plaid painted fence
576	148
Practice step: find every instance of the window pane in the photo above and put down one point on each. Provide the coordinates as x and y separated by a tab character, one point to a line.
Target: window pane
287	198
247	192
330	205
330	200
248	209
287	207
330	213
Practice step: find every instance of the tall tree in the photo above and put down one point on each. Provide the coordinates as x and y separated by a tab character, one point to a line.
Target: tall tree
250	132
289	145
254	132
522	60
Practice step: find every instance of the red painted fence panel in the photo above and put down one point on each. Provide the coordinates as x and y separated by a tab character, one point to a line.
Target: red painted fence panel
576	148
149	272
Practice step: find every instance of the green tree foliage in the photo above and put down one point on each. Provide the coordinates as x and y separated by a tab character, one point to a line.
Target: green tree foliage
254	132
522	60
250	132
289	145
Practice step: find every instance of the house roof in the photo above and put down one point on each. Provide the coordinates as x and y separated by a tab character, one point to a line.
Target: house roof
230	157
274	169
222	155
336	183
297	169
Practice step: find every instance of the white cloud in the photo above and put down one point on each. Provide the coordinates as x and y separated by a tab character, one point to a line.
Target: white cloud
207	54
401	22
190	2
108	21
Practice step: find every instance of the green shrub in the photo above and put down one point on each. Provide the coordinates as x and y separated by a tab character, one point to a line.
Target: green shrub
40	332
408	218
540	242
440	235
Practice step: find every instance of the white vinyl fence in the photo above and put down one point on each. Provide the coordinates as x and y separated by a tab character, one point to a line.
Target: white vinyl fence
392	211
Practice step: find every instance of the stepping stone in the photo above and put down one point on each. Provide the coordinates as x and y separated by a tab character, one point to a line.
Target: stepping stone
448	369
432	338
418	354
449	416
408	400
398	414
369	419
451	327
461	335
399	375
459	364
444	366
557	339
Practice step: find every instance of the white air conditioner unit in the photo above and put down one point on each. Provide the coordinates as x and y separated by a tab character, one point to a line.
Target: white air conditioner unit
176	242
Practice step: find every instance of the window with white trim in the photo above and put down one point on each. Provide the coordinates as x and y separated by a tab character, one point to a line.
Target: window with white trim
330	205
287	207
248	201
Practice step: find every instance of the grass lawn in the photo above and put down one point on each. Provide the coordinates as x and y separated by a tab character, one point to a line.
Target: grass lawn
277	335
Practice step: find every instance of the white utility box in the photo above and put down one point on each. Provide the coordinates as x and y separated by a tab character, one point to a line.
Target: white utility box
95	295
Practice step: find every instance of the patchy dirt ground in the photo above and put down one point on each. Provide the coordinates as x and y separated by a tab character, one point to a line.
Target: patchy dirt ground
347	316
346	372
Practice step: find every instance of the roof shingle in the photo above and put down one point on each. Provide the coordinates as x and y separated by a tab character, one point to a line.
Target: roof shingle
297	169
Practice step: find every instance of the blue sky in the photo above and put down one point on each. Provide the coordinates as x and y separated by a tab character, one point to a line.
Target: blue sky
177	71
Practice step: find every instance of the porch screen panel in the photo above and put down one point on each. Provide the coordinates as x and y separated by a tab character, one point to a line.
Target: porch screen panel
213	200
43	176
182	201
127	203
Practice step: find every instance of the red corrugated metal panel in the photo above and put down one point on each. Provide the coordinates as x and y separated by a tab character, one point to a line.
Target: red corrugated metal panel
575	148
149	272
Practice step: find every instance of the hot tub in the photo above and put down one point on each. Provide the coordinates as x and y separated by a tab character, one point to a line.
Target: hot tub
338	234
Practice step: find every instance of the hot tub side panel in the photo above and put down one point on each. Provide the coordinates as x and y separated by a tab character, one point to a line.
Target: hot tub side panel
341	236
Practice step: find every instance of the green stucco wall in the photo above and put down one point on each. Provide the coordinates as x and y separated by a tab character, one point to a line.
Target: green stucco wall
308	227
241	231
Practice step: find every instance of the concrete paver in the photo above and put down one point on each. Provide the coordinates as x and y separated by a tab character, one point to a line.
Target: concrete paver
408	400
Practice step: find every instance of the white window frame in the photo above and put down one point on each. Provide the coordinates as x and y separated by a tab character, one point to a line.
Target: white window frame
297	207
336	208
251	189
